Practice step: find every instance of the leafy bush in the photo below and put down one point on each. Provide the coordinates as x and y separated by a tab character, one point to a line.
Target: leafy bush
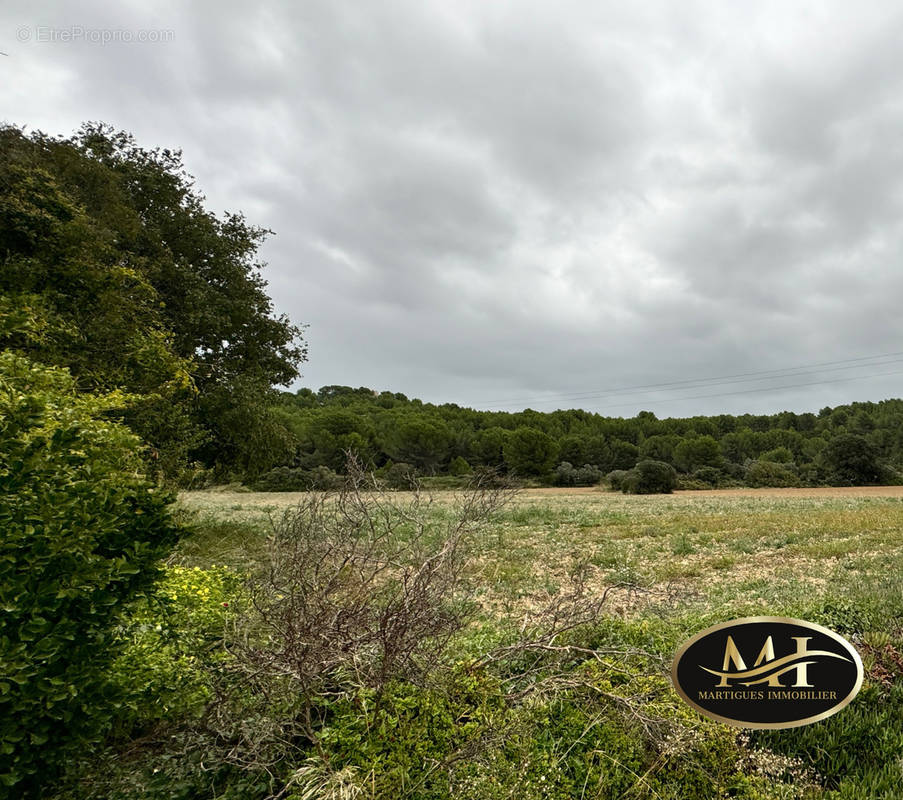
281	479
708	475
293	479
459	466
687	483
82	532
780	455
771	474
443	482
650	477
169	639
566	475
398	476
616	478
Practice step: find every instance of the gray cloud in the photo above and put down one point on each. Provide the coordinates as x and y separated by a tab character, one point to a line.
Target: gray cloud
486	202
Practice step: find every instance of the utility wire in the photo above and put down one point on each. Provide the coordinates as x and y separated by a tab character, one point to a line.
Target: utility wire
751	391
698	383
712	384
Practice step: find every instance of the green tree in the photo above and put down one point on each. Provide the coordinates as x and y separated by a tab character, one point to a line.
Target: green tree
660	447
597	452
623	455
488	446
850	460
422	441
330	433
572	449
135	285
71	297
530	452
700	451
739	445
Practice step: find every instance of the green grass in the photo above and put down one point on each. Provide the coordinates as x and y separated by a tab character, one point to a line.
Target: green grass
684	562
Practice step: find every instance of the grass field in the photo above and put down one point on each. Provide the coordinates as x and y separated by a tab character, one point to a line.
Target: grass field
673	564
750	551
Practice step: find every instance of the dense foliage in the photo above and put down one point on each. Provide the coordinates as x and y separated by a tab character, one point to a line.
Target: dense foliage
122	300
861	443
82	531
111	267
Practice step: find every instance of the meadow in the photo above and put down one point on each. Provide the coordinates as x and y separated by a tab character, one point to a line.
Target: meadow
604	721
742	552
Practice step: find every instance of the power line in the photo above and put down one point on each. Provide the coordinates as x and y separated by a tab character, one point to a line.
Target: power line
713	383
694	383
751	391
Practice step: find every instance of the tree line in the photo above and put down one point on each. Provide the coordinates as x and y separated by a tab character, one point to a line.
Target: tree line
860	443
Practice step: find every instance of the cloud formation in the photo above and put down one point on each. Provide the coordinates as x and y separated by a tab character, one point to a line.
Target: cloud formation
493	202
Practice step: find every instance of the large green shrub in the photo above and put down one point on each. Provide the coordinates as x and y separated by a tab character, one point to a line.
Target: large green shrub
81	530
566	475
650	477
771	474
295	479
850	460
616	479
708	475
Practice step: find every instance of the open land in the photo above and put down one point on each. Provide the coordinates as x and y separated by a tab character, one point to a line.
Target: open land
753	550
672	565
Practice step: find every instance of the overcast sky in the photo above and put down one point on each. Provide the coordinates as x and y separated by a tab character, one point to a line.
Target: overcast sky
511	204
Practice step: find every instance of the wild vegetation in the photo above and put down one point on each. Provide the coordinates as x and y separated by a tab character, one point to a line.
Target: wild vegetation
544	634
360	641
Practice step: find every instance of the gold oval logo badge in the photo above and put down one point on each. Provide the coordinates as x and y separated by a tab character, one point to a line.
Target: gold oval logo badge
767	672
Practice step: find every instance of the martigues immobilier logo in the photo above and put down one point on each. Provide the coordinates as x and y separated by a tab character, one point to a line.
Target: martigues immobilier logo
767	672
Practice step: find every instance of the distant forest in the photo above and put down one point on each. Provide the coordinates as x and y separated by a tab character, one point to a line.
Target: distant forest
860	443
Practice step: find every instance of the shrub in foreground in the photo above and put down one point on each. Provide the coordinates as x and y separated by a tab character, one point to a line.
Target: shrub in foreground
82	530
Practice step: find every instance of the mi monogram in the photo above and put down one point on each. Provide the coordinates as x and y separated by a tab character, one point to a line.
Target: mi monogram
766	654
